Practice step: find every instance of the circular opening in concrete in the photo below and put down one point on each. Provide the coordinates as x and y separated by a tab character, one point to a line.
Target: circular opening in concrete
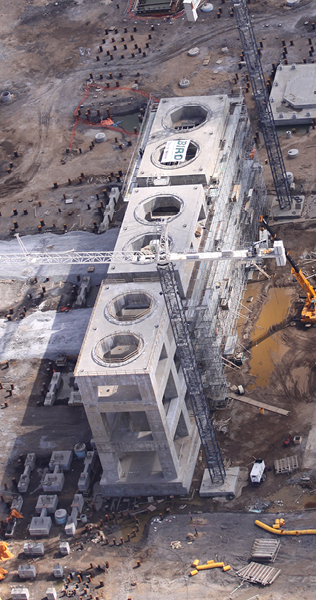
186	117
148	241
117	349
191	153
163	207
130	307
6	96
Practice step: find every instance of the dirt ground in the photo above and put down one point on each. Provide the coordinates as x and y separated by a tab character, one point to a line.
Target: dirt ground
49	51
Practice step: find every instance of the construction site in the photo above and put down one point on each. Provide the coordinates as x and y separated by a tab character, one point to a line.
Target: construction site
157	306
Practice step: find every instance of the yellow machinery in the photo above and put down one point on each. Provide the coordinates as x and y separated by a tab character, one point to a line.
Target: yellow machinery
308	314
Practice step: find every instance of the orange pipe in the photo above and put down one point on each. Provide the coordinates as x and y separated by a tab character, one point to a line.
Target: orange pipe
210	566
284	531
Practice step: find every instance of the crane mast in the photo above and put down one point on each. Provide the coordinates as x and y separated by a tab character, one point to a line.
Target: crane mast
188	363
260	93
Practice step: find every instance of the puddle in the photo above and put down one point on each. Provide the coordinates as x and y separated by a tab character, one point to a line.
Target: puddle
7	147
265	353
127	122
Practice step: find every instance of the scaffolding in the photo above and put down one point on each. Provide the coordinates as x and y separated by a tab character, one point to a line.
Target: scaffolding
216	290
260	93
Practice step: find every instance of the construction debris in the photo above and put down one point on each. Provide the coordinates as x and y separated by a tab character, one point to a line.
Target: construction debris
257	573
175	545
265	550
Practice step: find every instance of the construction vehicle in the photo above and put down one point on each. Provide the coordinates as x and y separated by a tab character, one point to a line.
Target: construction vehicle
308	314
288	441
257	473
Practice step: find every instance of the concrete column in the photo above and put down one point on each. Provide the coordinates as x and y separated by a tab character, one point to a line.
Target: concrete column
101	434
164	444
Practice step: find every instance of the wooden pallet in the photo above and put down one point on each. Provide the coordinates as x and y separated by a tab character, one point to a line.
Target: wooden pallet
257	573
265	550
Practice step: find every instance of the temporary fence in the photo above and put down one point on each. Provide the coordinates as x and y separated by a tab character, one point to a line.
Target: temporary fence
105	123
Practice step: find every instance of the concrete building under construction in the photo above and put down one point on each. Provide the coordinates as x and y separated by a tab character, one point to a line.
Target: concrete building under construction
198	171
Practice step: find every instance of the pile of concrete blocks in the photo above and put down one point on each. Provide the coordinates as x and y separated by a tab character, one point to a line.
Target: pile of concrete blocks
51	593
76	506
41	525
75	398
109	209
20	594
53	482
34	549
26	475
27	571
53	389
81	299
84	479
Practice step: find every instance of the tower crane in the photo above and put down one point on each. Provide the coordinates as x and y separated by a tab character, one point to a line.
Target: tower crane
260	94
164	259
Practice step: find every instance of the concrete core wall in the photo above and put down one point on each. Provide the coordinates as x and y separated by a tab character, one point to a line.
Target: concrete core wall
130	380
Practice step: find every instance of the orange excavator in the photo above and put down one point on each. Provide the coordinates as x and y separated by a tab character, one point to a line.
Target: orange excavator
308	314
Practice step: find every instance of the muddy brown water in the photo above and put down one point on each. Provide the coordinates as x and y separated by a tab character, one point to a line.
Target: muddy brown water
265	353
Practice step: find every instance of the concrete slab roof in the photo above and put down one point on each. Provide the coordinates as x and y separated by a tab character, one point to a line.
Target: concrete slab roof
201	120
105	332
293	94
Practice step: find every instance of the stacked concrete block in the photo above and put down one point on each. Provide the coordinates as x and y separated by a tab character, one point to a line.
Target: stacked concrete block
78	502
24	480
51	593
34	549
53	482
19	593
81	299
76	509
17	503
53	389
58	571
64	548
27	571
109	209
41	526
62	458
84	479
75	398
48	502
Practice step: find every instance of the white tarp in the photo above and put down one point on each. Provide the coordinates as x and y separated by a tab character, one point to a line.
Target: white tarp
175	151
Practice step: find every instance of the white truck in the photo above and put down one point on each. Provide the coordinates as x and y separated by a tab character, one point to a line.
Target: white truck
257	473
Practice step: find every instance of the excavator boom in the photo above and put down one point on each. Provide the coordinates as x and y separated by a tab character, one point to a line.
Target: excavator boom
308	315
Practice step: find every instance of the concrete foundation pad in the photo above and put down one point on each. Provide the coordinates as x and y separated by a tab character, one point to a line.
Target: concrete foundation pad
295	212
228	488
40	526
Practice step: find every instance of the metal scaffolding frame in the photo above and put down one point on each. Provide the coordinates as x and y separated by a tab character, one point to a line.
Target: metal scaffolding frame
260	93
191	372
228	225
